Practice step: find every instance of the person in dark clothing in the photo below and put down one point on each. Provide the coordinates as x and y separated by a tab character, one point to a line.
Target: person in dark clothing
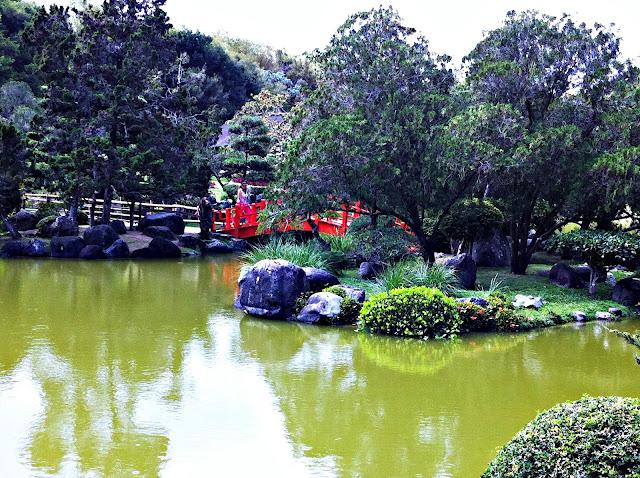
205	214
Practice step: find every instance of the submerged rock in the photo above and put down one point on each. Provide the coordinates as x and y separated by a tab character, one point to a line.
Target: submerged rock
190	242
216	246
322	308
118	250
66	247
270	289
92	253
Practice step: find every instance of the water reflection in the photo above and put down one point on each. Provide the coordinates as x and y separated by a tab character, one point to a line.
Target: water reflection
117	369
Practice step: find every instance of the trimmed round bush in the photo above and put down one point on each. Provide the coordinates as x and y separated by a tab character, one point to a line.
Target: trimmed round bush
592	437
418	312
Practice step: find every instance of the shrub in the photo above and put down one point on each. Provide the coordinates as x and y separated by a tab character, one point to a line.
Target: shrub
416	273
339	244
418	312
472	219
350	309
302	255
383	243
600	249
592	437
47	209
498	315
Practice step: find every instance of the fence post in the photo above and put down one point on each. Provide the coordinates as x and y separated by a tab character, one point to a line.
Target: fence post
227	218
345	218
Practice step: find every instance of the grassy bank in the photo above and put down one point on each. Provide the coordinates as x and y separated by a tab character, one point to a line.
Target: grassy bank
559	302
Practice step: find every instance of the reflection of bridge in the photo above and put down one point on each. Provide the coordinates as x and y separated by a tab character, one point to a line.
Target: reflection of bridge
242	221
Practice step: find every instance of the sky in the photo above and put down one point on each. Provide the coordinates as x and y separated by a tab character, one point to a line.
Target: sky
452	26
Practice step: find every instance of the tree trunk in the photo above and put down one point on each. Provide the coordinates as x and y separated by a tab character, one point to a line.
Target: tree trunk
92	210
520	251
426	245
13	232
106	206
132	212
594	275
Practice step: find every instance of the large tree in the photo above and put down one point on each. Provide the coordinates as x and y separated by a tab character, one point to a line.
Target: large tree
373	130
556	76
12	169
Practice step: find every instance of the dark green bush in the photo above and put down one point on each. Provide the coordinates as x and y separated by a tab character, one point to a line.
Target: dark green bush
592	437
472	219
383	243
46	209
350	308
418	312
599	248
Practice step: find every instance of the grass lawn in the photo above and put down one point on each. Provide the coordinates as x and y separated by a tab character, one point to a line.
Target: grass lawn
560	302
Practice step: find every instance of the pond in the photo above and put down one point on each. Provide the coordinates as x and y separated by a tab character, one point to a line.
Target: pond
124	369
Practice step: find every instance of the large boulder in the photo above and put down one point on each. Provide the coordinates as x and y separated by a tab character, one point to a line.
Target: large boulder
160	231
370	270
24	220
465	269
190	242
355	293
118	250
102	235
168	219
322	308
564	275
92	253
14	248
270	289
119	226
216	246
45	226
319	279
627	291
63	227
37	248
66	247
493	251
158	248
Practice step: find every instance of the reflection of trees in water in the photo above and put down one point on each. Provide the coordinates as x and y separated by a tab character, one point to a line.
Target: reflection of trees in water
99	336
391	407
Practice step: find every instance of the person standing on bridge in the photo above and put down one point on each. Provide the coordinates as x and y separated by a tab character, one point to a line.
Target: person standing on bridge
243	202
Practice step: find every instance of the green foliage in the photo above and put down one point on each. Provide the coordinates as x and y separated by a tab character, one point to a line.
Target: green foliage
46	209
302	255
418	312
339	244
598	248
12	170
591	437
545	111
472	219
350	309
383	243
499	316
413	273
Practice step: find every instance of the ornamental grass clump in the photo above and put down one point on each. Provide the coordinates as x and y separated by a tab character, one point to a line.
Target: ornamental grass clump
302	255
418	312
592	437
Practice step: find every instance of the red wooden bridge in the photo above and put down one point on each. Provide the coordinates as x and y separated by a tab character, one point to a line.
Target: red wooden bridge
242	221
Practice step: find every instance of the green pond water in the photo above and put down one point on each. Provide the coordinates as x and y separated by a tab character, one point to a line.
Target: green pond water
145	369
